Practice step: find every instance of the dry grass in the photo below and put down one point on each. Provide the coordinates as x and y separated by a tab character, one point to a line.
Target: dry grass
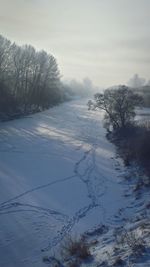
78	248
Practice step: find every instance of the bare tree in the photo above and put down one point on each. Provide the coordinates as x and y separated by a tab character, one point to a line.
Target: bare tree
118	104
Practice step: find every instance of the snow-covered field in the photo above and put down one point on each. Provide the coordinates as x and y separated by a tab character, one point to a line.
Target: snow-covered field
59	175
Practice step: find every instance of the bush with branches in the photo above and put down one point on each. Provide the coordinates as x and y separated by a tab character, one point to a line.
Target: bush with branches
119	106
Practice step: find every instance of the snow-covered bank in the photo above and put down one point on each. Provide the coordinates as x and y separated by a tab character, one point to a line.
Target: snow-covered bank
58	175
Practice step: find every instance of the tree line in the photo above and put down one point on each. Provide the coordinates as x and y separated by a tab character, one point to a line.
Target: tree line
131	137
29	80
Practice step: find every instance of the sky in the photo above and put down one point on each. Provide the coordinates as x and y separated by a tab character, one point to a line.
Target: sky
105	40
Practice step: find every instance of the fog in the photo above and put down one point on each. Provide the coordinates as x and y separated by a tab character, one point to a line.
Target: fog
107	41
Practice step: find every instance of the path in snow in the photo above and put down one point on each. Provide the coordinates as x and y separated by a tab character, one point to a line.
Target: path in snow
58	175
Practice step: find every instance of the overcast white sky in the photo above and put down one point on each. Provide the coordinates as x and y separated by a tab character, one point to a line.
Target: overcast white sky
106	40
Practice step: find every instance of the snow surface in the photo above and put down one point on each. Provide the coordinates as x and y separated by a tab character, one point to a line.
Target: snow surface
59	175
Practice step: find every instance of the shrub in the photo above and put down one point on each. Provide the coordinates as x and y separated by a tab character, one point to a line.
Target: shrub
76	248
133	145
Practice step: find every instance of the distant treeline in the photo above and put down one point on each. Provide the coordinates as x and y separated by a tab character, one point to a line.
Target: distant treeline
144	91
30	81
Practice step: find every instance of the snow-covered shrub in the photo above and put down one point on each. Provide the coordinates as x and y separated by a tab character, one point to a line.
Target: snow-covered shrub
131	241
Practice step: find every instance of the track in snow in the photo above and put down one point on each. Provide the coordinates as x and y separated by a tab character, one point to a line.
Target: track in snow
79	145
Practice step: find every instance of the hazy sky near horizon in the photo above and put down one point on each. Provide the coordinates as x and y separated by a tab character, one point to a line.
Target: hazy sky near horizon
105	40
